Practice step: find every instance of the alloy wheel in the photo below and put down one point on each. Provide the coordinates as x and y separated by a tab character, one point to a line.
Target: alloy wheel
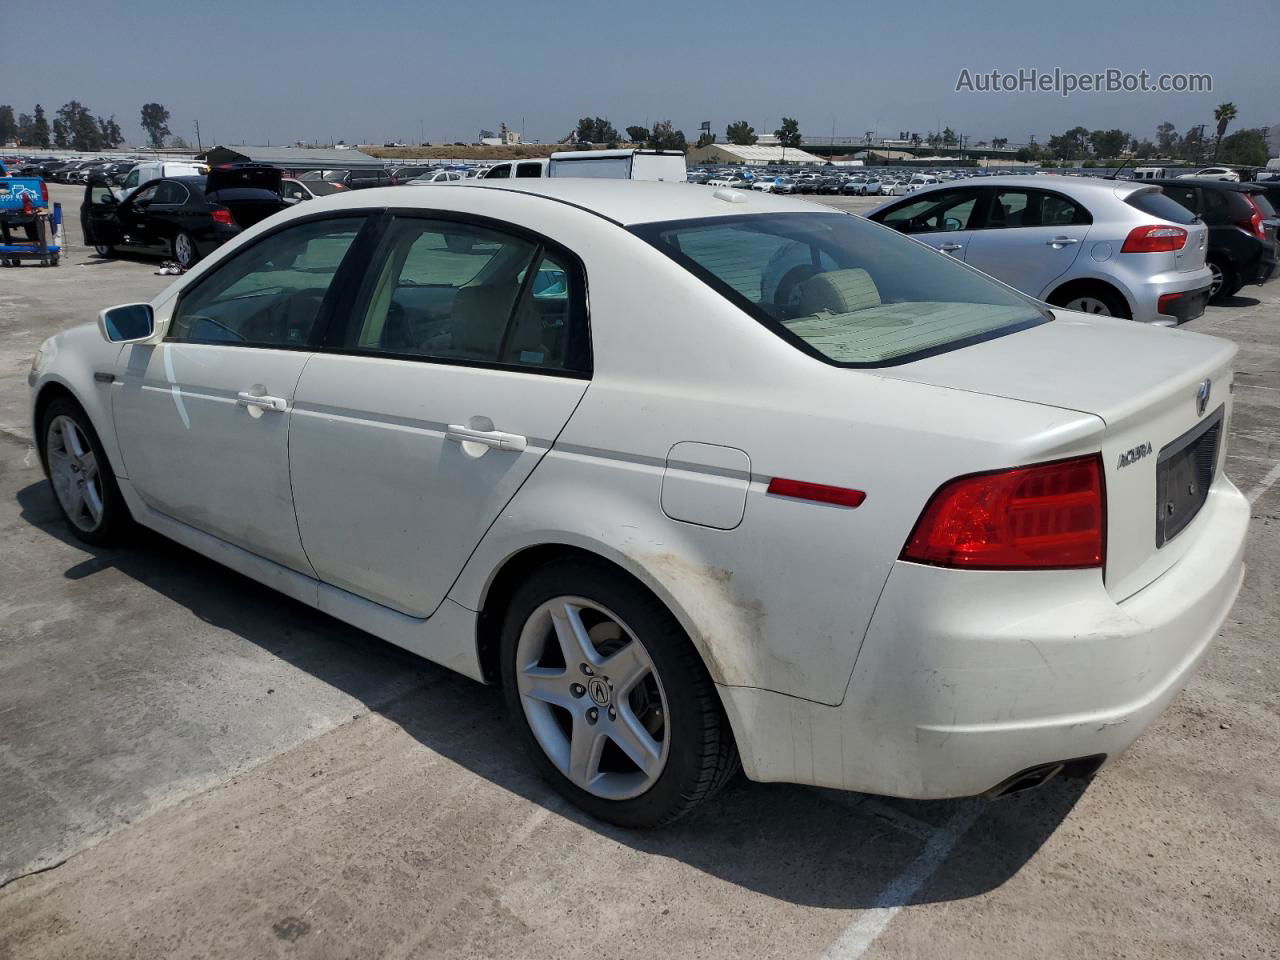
73	469
183	250
1089	305
592	697
1215	285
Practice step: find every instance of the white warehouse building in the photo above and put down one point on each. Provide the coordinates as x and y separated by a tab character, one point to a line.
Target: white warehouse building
756	155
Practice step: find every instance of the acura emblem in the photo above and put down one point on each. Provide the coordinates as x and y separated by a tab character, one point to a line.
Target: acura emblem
1202	396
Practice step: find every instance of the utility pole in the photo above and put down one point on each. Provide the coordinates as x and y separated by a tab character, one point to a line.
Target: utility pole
199	145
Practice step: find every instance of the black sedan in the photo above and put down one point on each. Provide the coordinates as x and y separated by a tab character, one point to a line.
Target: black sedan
183	218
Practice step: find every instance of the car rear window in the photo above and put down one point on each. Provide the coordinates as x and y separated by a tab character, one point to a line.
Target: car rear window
1264	203
843	289
1156	203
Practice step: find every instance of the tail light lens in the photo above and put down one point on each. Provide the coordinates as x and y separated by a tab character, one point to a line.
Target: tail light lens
44	194
1048	516
222	215
1253	223
28	208
1155	238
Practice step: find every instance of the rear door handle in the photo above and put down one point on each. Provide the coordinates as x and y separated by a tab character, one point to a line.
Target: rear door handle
496	439
1061	241
951	247
246	399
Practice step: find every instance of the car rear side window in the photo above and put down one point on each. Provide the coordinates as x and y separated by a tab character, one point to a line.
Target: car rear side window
1175	204
461	292
271	293
843	289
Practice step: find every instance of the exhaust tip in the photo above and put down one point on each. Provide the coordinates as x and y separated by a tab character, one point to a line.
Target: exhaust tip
1031	778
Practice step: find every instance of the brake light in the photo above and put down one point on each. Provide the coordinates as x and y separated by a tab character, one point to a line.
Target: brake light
222	215
28	208
1048	516
819	492
1252	224
44	194
1155	238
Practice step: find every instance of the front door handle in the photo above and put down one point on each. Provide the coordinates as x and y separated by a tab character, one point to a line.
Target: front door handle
1061	241
246	399
951	247
490	438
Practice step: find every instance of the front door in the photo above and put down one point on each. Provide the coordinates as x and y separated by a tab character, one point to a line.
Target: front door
944	219
203	418
98	214
1029	238
466	353
134	218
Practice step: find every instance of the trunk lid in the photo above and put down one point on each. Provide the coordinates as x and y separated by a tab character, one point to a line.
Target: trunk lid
259	176
1145	384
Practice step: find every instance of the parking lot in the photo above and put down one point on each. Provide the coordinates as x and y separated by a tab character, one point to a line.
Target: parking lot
194	766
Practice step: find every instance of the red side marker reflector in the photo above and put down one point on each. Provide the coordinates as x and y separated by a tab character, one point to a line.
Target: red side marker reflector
818	492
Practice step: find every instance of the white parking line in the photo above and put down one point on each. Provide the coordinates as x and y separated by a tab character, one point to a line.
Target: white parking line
864	931
1265	484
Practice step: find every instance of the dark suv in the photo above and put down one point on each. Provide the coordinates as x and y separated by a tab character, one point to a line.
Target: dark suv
1243	227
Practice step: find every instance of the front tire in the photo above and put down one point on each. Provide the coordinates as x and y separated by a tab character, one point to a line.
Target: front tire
613	702
103	250
84	485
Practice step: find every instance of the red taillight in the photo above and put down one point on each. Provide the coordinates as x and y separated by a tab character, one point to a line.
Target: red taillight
1165	301
44	194
222	215
820	492
1156	238
28	208
1252	224
1042	517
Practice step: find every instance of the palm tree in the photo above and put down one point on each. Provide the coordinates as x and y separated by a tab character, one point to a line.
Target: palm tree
1224	115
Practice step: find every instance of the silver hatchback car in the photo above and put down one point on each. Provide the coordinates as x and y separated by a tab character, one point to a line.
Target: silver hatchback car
1089	244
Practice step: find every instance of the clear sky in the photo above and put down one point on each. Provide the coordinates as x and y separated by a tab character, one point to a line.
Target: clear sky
375	70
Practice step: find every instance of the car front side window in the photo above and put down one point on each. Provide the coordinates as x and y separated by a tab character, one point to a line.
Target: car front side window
936	212
270	294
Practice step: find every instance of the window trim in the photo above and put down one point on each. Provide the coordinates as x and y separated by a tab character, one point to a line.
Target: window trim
648	233
579	293
328	307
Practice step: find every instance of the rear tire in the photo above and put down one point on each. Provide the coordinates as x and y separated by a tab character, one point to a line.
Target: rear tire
1224	285
568	627
1092	298
184	250
84	485
105	251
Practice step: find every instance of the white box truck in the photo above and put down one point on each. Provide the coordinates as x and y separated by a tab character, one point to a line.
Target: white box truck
668	165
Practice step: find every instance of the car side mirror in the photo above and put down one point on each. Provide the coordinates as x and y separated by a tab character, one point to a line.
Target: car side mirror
291	200
127	323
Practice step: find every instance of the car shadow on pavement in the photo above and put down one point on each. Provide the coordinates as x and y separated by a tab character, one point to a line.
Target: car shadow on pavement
801	845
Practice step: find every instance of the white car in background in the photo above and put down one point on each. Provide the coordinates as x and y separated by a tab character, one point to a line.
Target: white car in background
437	176
788	487
1114	247
872	187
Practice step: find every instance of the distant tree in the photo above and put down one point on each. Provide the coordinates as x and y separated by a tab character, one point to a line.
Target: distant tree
178	143
789	133
915	140
155	121
595	130
1167	139
39	128
949	137
8	124
999	143
1246	147
934	140
109	135
24	129
1144	149
1072	145
1108	143
1224	114
637	134
740	133
664	137
705	139
1192	147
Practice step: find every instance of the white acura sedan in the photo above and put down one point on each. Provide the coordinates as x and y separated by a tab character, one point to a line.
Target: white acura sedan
695	475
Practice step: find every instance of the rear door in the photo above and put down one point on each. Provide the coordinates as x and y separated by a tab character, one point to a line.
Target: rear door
135	217
466	353
165	212
944	219
1029	238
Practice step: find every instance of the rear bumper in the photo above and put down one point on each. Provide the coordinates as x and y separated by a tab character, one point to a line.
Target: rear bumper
966	678
1145	294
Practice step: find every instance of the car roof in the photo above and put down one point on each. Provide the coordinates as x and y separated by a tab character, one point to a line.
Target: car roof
1066	185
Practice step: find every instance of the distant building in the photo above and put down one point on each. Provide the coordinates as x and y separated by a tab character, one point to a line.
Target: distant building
758	154
296	159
